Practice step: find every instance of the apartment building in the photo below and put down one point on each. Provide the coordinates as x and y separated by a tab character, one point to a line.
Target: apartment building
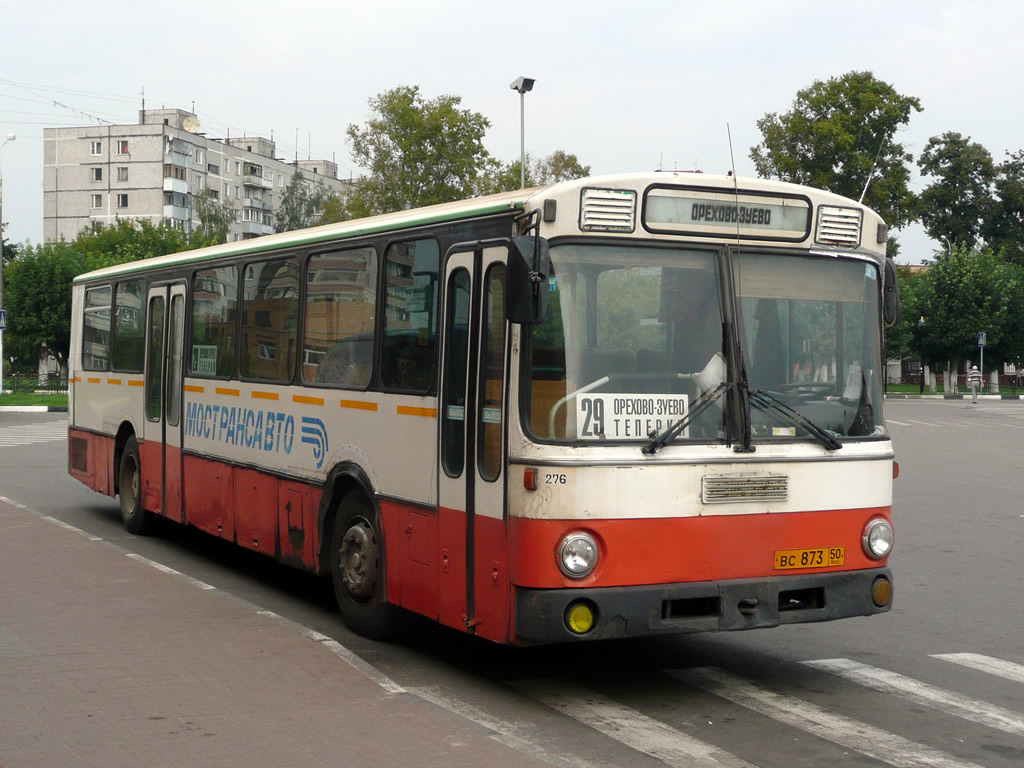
152	170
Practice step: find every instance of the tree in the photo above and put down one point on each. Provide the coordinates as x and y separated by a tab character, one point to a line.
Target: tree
959	200
301	204
215	218
9	250
558	166
835	134
417	152
1004	231
129	240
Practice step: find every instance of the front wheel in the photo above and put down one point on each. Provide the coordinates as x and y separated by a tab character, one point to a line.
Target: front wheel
357	570
136	520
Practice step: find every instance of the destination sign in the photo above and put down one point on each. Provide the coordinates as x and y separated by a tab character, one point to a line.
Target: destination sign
627	416
713	214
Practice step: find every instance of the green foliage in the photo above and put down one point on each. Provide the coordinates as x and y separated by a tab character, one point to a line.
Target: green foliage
1004	230
10	250
558	166
215	218
959	199
418	152
301	204
836	131
129	240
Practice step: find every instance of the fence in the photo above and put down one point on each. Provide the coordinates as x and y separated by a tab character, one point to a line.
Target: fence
32	383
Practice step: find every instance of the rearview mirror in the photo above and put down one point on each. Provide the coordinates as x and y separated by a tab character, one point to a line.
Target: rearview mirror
890	294
526	280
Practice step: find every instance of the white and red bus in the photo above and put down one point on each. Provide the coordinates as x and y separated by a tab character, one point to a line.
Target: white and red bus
614	407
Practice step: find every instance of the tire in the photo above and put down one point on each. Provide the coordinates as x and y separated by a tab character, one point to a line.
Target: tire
136	519
357	570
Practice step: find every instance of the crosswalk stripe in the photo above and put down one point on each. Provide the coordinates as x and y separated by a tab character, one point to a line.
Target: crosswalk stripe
27	434
859	737
630	727
883	680
998	667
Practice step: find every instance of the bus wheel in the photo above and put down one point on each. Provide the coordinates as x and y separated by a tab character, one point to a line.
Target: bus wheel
357	569
136	520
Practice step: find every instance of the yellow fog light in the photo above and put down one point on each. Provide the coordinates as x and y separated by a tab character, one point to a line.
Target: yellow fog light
881	591
579	617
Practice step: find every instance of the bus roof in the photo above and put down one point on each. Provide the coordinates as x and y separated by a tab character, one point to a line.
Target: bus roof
463	209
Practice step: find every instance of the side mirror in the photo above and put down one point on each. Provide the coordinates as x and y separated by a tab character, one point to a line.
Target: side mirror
890	294
526	280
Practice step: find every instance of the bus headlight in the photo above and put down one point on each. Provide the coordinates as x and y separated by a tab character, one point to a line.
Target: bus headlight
577	555
877	539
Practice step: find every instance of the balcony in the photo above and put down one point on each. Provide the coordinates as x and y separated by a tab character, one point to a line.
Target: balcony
177	212
175	185
256	180
255	228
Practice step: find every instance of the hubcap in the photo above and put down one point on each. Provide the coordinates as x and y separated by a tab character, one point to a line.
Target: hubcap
359	559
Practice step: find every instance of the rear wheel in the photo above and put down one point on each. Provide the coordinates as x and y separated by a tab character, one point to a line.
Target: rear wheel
357	569
136	520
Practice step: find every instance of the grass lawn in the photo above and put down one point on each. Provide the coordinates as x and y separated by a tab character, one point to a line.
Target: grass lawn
31	398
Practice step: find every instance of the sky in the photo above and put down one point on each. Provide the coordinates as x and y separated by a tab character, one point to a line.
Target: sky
624	86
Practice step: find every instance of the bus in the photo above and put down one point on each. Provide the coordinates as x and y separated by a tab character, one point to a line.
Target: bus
614	407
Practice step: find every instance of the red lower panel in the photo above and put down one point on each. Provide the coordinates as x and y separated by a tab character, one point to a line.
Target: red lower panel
210	497
91	460
492	590
669	550
452	577
256	510
151	475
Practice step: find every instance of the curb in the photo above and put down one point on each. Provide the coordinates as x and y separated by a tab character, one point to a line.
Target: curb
902	396
34	408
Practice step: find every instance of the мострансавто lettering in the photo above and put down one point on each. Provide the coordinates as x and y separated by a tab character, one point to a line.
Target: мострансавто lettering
269	431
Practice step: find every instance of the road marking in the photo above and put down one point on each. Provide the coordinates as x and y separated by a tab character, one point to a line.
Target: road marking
923	423
511	733
628	726
998	667
883	680
860	737
26	434
893	421
168	570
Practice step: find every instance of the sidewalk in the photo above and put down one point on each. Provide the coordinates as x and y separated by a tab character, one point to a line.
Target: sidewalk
107	661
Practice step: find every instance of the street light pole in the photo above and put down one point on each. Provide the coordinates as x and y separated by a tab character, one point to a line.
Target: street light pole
523	85
10	137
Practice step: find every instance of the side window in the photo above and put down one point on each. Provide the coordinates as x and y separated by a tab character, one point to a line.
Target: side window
492	373
270	311
96	329
129	326
453	438
341	289
214	305
410	316
154	376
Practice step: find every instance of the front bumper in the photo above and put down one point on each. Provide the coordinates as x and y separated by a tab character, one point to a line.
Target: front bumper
663	609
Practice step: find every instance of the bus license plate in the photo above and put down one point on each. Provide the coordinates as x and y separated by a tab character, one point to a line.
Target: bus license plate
823	557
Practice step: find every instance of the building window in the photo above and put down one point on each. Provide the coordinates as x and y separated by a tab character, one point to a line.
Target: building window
199	157
238	167
97	201
227	190
122	173
238	195
96	147
122	146
97	174
122	200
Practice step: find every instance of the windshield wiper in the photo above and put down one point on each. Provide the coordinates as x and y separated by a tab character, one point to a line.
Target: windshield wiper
768	402
670	434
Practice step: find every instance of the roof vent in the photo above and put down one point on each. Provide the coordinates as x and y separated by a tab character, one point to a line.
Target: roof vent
608	210
838	226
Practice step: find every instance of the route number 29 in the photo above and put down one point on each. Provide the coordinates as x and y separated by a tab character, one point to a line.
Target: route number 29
593	417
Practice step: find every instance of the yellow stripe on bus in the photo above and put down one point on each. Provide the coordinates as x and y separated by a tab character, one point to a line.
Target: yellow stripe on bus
135	382
76	378
194	388
359	405
307	400
114	381
411	410
264	395
92	380
227	391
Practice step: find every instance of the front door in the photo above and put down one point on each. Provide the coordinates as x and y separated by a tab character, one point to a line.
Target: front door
160	450
474	582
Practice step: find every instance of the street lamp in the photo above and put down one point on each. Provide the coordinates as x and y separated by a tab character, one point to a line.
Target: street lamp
10	137
522	84
949	248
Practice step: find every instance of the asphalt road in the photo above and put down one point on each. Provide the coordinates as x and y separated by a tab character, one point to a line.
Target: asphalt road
939	681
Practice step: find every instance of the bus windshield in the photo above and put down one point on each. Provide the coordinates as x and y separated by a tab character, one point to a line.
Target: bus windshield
632	337
633	340
810	337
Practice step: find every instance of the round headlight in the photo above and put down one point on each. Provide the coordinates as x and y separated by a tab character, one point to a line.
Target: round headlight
577	555
877	538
